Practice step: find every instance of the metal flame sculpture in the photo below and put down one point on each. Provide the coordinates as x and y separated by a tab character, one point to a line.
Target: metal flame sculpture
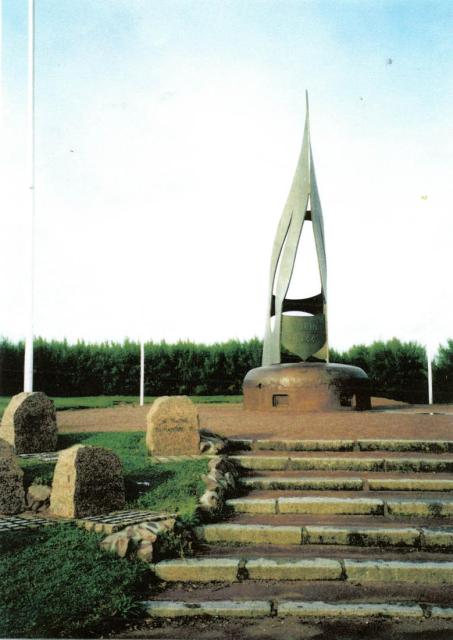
304	336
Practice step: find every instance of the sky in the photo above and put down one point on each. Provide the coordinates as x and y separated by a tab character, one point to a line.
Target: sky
167	134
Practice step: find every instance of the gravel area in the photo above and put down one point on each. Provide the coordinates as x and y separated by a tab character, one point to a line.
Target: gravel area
387	419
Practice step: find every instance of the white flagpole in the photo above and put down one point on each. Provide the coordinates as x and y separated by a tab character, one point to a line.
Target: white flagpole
1	70
142	372
430	377
28	359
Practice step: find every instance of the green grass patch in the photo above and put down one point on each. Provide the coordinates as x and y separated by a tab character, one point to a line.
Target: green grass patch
3	404
174	486
102	402
56	582
36	472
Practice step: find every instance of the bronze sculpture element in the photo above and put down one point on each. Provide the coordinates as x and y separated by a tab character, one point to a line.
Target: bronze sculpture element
297	328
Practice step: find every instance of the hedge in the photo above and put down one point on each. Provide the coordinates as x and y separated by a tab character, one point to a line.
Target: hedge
397	369
82	369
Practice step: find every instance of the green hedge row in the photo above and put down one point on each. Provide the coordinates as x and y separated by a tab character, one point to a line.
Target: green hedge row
397	370
61	369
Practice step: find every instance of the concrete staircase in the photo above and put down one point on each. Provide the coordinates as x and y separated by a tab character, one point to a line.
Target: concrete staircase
325	529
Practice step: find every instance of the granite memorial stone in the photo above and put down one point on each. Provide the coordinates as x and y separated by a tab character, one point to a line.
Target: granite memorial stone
12	495
172	427
87	481
29	423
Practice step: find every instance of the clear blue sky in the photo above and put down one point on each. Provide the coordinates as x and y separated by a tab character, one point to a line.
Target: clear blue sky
167	136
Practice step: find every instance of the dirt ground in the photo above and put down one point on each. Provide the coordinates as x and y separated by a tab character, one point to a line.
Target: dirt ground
387	419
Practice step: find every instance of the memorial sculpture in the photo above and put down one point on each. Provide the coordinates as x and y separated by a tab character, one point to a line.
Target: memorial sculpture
296	329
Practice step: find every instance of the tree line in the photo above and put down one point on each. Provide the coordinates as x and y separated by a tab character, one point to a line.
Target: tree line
397	369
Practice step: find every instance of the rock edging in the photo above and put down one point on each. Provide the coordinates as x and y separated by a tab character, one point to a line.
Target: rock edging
221	482
138	541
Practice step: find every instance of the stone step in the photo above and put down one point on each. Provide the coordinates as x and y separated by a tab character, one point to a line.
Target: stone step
363	547
369	611
344	473
232	569
360	520
351	463
410	484
295	608
307	505
434	496
310	590
430	539
427	446
219	608
346	483
303	483
357	455
403	507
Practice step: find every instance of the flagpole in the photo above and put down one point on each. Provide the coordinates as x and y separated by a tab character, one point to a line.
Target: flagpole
1	70
142	372
430	377
28	357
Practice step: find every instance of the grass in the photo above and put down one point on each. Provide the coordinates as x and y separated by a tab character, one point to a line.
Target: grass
174	486
102	402
56	582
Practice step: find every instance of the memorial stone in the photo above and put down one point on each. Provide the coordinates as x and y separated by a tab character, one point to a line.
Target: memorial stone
87	481
173	427
29	423
12	495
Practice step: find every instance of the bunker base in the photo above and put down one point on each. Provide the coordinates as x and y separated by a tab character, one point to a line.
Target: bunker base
306	387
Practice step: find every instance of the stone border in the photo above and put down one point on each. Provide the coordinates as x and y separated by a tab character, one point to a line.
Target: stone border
307	483
212	444
221	609
300	609
421	538
401	507
378	444
348	483
230	569
220	482
286	463
117	520
16	523
139	540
